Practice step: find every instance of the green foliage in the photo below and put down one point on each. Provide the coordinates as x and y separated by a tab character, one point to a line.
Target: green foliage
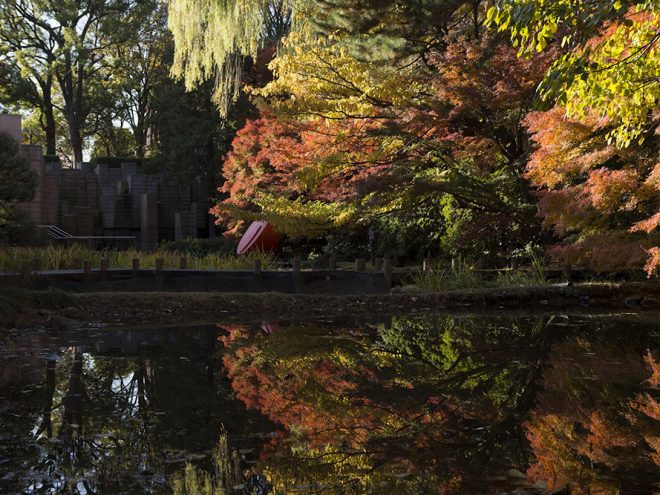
524	277
195	481
19	230
611	64
111	140
212	38
462	275
17	181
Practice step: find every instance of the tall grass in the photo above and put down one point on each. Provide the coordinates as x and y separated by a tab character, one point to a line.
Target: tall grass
462	275
521	277
20	259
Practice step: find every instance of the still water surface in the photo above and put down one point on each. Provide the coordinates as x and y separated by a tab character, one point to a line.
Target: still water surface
411	405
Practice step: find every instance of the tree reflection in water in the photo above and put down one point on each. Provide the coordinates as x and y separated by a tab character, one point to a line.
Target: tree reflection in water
438	404
90	422
451	405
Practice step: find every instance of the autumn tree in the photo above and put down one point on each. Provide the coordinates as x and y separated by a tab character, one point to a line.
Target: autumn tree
610	63
596	163
601	200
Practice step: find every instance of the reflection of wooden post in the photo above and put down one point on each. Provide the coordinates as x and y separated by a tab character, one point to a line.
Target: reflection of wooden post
296	274
183	263
160	279
105	264
26	275
360	265
333	262
257	272
136	266
387	270
87	274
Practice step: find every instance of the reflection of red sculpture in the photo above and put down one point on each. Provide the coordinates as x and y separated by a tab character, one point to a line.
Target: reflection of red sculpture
261	236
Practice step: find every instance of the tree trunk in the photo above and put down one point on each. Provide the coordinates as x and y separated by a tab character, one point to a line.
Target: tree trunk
49	114
76	138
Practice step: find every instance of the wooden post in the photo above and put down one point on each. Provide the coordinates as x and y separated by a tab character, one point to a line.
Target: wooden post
333	262
360	265
183	263
136	266
105	264
387	270
426	265
87	274
296	274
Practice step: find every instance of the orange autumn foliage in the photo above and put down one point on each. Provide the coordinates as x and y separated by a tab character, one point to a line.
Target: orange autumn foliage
603	201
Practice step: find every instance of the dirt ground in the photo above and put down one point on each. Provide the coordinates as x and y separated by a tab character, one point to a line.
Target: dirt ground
122	309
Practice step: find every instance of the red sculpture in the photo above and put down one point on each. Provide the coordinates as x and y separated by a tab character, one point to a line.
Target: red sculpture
261	236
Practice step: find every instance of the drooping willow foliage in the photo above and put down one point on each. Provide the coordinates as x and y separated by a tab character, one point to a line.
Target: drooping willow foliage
212	38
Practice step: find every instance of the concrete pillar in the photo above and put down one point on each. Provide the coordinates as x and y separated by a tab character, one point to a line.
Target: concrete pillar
149	222
387	270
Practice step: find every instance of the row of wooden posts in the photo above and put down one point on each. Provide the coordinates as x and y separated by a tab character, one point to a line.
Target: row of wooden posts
384	264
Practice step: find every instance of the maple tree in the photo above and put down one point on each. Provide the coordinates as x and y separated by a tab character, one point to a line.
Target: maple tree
355	141
602	200
596	164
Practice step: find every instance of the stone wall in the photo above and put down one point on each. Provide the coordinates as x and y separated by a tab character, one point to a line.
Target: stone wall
108	200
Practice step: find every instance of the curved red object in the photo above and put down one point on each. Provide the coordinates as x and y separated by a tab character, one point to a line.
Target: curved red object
261	236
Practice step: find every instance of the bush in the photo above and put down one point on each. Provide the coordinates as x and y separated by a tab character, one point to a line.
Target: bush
19	230
199	248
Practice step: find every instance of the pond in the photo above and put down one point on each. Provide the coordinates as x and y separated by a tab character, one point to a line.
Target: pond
406	405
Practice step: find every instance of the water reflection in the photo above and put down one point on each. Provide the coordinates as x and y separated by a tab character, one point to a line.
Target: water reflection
454	405
412	406
107	412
